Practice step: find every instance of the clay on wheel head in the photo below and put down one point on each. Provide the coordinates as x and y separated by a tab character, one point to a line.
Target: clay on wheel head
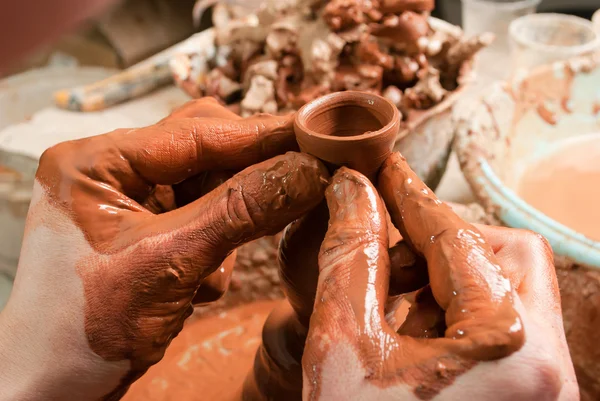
354	129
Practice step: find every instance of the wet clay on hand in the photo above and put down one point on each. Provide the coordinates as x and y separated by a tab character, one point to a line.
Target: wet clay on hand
459	262
348	326
131	273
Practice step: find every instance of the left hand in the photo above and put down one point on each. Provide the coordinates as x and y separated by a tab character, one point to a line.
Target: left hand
119	238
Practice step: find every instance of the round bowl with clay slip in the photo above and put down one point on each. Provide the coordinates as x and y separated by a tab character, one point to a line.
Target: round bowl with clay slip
513	124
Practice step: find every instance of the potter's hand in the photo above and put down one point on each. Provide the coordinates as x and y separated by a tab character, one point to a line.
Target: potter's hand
493	290
109	267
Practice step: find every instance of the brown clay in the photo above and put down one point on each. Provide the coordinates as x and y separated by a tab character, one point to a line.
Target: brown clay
329	127
367	45
398	6
344	14
361	78
367	51
354	129
402	30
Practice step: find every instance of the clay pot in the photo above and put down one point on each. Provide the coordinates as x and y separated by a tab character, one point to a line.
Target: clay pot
354	129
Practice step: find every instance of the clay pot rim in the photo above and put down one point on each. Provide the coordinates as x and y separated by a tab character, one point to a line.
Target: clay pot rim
350	97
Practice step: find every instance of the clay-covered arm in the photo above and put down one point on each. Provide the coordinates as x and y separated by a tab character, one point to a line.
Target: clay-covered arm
113	259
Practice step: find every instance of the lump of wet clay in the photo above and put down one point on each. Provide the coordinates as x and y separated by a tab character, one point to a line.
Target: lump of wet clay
293	51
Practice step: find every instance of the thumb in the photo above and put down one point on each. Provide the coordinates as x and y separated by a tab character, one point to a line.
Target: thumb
260	200
466	278
353	277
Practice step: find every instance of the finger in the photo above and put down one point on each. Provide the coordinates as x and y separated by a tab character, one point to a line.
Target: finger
217	283
193	188
134	161
203	107
171	151
408	272
299	260
425	318
160	200
527	260
354	273
258	201
466	279
164	198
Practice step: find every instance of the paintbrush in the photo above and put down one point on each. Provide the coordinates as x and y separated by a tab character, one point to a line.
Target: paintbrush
129	84
133	82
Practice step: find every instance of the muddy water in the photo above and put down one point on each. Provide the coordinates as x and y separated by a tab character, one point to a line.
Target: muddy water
564	184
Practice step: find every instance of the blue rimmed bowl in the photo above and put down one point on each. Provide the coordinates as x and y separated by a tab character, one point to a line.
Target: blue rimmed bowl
500	133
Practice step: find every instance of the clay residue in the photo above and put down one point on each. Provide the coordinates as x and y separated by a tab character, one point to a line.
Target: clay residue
209	360
315	47
580	298
548	93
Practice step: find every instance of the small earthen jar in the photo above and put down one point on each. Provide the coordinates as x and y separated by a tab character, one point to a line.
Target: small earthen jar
354	129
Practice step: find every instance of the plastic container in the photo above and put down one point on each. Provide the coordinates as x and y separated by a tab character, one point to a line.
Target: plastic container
494	16
545	38
596	21
504	130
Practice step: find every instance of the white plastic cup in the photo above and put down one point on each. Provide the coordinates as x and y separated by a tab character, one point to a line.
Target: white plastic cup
494	16
596	21
545	38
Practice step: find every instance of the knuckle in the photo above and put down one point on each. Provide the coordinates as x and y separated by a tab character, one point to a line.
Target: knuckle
205	100
239	221
531	243
58	163
531	239
54	156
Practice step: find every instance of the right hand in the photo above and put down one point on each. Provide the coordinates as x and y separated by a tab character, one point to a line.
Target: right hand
493	291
